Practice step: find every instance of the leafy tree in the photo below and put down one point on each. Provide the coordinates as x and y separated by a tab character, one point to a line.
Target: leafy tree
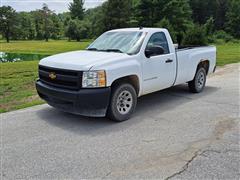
26	29
43	23
179	16
8	21
47	23
77	29
38	23
64	18
204	9
76	9
116	14
83	29
57	27
233	18
94	17
70	30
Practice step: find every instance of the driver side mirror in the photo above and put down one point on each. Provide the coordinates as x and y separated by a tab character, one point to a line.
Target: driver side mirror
154	51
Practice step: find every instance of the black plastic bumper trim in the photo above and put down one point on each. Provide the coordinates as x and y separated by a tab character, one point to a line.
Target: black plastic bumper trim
86	102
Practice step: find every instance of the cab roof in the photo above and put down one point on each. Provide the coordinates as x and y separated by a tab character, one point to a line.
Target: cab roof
141	29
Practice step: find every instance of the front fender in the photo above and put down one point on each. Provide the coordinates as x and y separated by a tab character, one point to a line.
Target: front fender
121	68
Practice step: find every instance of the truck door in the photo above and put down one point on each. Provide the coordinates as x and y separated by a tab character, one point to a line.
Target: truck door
159	71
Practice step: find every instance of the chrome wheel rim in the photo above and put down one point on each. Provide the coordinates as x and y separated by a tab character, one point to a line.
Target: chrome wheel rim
124	102
200	80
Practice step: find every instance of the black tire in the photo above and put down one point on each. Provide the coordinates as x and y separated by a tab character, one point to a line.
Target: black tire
120	97
197	85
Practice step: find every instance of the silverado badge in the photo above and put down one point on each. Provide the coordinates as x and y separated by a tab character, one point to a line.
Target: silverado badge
52	75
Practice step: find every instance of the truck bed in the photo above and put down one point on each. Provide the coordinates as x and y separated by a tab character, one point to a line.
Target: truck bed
189	57
182	48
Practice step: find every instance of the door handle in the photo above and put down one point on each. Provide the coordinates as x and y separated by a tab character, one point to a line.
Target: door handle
169	61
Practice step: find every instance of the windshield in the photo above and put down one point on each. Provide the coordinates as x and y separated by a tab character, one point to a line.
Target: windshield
129	42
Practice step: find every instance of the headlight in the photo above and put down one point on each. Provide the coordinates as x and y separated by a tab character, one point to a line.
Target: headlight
94	79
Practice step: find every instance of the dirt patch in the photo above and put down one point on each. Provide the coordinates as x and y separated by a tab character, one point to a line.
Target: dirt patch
226	69
13	104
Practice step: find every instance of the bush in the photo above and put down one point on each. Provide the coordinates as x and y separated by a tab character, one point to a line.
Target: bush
223	35
211	39
195	36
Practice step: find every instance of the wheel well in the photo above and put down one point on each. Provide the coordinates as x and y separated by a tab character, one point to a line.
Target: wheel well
204	64
132	79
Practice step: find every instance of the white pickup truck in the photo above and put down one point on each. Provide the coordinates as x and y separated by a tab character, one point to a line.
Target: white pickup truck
121	65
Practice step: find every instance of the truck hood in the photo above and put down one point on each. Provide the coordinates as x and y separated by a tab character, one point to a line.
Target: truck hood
80	60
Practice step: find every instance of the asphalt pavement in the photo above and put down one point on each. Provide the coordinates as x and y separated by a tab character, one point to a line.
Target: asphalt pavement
174	134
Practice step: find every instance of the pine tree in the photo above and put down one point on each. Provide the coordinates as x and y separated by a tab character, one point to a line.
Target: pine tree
221	10
117	14
146	13
178	12
164	23
203	10
76	9
47	22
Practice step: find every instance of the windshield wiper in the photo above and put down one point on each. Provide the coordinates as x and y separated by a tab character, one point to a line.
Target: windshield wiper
92	49
113	50
105	50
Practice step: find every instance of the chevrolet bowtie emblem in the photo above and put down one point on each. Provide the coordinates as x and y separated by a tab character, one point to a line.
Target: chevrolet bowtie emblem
52	75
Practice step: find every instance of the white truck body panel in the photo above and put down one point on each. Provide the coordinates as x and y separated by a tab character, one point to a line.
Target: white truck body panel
188	58
153	73
80	60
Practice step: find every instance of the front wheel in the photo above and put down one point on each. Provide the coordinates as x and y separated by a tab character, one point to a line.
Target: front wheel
198	83
123	102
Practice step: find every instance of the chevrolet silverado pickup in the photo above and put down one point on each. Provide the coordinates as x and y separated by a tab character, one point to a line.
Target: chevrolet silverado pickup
121	65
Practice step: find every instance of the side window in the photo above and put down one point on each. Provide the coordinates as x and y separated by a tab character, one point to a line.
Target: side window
159	39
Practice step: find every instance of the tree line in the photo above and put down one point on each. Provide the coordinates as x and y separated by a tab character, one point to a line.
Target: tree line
189	21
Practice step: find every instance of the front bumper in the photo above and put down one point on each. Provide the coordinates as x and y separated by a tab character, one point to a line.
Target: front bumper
86	102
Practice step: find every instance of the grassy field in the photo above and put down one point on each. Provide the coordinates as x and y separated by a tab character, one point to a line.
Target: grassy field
42	47
228	53
17	85
17	89
17	79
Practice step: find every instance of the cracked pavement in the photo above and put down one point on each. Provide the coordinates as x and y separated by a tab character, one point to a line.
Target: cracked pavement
173	135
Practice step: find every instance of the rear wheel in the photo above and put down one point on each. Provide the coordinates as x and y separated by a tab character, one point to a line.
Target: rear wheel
123	102
198	83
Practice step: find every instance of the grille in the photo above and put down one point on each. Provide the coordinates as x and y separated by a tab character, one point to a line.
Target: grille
66	79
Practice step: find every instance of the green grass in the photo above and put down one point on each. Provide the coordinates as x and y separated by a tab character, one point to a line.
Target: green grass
17	89
42	47
228	53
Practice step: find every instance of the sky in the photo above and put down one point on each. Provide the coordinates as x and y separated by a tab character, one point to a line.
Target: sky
57	5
